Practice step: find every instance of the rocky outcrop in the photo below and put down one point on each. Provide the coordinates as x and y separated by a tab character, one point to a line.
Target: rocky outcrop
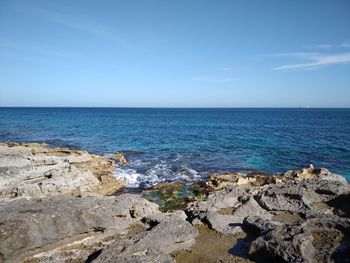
222	180
33	170
62	228
120	158
298	216
169	233
314	240
56	228
225	210
53	209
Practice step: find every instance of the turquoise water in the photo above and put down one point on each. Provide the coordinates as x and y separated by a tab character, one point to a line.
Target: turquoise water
187	144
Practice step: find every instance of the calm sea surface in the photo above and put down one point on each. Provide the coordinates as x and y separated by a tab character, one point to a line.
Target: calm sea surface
187	144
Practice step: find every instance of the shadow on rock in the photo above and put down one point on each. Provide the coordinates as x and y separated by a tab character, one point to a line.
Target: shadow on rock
241	248
341	205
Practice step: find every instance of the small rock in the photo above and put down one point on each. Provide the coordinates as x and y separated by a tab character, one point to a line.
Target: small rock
120	158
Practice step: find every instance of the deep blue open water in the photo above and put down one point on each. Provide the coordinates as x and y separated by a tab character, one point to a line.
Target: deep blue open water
187	144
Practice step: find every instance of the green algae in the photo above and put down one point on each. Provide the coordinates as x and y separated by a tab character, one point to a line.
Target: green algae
174	196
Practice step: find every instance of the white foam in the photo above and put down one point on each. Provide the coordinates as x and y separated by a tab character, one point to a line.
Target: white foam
130	177
187	174
154	174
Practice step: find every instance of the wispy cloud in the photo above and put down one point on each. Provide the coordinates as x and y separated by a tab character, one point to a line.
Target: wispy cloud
7	44
295	54
209	79
329	46
320	46
314	60
81	24
318	60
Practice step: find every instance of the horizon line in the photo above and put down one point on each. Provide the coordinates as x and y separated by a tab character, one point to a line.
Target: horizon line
155	107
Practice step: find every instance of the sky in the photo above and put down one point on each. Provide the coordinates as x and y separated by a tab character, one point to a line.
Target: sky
183	53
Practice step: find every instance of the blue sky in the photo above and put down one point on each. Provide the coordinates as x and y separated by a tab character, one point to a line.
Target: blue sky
183	53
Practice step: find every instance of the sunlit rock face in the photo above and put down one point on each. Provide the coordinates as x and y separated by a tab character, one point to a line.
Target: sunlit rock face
33	170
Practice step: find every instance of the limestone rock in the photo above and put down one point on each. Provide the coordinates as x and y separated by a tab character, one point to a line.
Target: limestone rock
299	216
225	210
313	241
34	170
221	180
67	226
286	197
169	233
256	225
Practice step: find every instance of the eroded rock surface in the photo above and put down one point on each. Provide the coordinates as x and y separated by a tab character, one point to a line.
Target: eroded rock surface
58	229
36	228
168	233
314	240
33	170
298	216
225	210
52	210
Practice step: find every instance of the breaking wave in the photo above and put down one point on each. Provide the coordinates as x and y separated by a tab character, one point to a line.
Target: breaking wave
144	174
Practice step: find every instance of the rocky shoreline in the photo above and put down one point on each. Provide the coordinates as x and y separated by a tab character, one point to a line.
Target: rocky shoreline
60	205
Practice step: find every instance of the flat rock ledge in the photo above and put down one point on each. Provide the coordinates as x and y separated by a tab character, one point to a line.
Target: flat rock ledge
34	170
124	228
54	208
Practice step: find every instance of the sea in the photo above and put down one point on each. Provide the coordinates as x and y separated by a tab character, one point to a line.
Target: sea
187	144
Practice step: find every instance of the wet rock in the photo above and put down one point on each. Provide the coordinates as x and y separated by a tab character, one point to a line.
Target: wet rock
120	158
33	170
286	217
168	187
174	196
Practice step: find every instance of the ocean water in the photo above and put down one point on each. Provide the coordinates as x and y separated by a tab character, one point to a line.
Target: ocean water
188	144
